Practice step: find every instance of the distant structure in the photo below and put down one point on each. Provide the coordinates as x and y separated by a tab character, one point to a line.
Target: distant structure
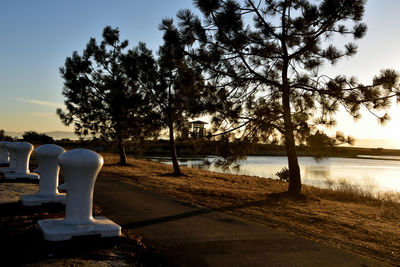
197	130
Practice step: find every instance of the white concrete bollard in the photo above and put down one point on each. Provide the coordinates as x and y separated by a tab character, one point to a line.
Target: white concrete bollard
12	160
4	160
22	152
80	168
47	158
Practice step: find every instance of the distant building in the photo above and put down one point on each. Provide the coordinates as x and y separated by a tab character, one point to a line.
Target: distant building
198	130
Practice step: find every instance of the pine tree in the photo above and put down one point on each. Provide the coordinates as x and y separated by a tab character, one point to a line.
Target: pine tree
101	100
264	62
173	83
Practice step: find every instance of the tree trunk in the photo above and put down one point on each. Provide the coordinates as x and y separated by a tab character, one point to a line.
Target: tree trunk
294	169
122	154
174	157
290	146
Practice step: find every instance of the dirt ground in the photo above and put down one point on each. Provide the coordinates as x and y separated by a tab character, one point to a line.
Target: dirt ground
346	220
21	242
10	192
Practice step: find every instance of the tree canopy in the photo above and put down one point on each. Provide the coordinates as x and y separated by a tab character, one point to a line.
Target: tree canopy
264	63
35	137
171	80
101	100
4	137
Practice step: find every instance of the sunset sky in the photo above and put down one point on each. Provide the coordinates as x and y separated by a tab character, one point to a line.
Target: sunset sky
37	36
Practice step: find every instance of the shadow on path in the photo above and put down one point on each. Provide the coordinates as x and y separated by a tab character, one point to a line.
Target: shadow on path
197	212
19	180
17	209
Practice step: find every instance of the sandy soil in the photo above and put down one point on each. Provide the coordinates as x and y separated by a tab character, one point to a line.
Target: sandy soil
11	192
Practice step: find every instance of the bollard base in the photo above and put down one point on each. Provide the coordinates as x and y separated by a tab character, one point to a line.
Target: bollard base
30	176
37	200
58	230
6	170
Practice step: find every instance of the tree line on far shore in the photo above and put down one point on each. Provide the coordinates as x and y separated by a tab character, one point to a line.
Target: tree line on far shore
29	136
254	67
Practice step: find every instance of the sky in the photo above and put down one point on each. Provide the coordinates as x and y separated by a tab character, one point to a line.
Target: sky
37	36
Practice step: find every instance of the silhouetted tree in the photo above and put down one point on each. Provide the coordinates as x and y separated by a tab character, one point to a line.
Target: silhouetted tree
264	60
35	137
4	137
172	82
100	99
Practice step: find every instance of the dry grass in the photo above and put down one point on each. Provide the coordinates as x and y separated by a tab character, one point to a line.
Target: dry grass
347	218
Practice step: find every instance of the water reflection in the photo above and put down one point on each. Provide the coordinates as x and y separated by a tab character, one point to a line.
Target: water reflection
317	175
368	173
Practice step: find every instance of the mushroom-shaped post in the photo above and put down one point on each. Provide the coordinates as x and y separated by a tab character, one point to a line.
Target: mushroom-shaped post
4	160
12	159
23	151
47	158
80	168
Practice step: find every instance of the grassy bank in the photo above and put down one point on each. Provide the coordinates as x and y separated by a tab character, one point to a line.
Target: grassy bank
346	218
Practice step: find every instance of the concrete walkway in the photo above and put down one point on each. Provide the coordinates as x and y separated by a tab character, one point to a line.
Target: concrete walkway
193	236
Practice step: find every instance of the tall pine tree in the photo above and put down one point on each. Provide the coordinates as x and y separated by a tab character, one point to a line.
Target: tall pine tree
264	61
172	81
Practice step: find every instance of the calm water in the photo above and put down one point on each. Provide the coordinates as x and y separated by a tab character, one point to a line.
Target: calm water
372	174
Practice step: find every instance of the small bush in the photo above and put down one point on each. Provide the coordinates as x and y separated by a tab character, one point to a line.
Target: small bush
283	174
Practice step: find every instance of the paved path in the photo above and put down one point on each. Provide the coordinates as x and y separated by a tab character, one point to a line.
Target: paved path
193	236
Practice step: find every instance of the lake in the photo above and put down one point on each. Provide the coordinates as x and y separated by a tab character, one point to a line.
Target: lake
369	172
